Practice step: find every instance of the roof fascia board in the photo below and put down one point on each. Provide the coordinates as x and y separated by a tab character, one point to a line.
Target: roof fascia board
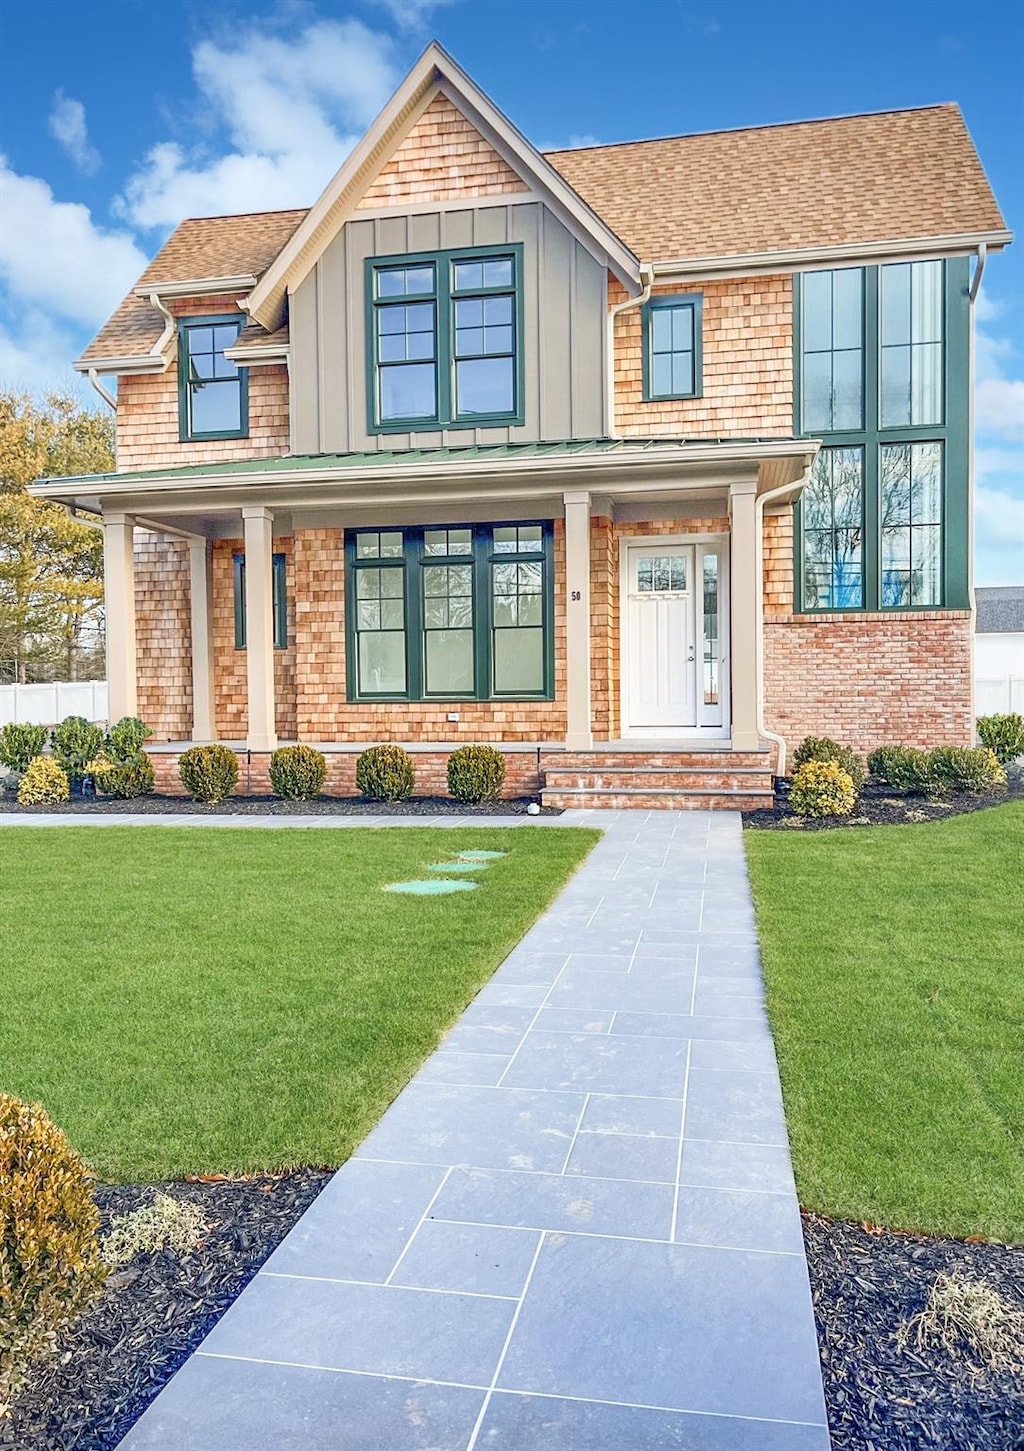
197	286
136	363
747	264
260	353
435	70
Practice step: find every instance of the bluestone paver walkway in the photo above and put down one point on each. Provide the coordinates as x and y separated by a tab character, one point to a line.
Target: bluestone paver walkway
575	1230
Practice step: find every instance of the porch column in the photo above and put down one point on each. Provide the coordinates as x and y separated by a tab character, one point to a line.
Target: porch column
119	612
578	733
743	598
258	523
203	718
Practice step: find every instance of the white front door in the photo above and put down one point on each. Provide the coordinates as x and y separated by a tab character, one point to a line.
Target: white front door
661	644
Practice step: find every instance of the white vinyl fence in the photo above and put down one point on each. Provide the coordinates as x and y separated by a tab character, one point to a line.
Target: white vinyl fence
999	697
48	704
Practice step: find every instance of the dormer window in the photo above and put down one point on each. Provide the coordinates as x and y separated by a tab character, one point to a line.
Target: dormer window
213	392
445	340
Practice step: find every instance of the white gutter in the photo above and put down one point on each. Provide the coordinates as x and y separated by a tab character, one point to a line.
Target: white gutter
762	499
154	293
196	286
104	393
258	353
647	278
794	258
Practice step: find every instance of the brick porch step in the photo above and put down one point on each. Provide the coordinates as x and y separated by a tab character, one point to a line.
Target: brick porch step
626	759
658	779
671	799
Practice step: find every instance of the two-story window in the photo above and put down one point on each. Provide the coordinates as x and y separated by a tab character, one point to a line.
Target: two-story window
213	392
882	378
450	613
445	339
672	346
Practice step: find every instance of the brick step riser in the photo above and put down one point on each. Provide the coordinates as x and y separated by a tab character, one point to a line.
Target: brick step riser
639	801
657	780
669	760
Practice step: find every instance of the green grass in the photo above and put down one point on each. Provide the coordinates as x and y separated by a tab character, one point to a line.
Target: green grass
894	961
189	1000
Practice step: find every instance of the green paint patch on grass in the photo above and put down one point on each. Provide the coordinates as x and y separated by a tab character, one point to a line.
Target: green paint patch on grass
895	972
190	1000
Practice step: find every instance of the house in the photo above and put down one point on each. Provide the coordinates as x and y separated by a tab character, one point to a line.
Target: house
999	650
652	457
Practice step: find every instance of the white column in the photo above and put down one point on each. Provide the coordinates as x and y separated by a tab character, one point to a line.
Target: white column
119	608
578	732
204	726
744	585
259	626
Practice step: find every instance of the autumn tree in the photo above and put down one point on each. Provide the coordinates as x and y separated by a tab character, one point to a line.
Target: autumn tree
51	565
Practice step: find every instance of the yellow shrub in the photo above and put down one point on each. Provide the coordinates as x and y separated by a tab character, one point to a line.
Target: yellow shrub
50	1263
822	788
44	783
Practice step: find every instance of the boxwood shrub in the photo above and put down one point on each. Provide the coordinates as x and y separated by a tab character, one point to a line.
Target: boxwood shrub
124	780
1003	735
973	770
476	773
821	748
904	768
19	743
822	788
209	773
50	1264
385	773
298	773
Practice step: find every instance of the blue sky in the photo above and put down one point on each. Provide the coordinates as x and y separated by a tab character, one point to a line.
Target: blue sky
117	120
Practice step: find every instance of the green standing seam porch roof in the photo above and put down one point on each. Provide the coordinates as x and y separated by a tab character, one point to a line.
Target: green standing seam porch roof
292	463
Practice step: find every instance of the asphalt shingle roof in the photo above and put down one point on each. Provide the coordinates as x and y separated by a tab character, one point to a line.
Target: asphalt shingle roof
1000	610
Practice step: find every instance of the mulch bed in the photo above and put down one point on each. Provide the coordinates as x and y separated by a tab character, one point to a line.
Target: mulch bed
273	806
879	805
153	1312
881	1398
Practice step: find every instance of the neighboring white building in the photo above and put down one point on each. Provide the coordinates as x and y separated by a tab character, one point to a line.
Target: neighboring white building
999	650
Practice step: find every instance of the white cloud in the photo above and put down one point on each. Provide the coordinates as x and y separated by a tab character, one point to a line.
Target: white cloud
54	256
68	127
998	385
999	406
998	535
411	14
35	356
292	110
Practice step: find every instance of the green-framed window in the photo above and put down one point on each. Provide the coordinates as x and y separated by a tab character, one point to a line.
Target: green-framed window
673	346
213	392
882	377
280	587
444	339
453	612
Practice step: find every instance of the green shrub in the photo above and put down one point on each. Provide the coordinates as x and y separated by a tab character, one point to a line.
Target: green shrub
209	773
970	769
385	773
1002	734
822	788
19	743
50	1263
298	773
74	744
904	768
125	780
820	748
44	783
125	738
476	773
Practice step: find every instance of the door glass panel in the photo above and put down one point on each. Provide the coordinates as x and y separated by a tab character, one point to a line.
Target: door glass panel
712	657
661	573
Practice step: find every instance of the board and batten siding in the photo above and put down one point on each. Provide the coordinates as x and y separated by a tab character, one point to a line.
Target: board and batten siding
564	310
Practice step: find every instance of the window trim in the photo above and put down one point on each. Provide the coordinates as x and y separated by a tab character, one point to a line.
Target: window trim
481	558
186	434
444	416
279	588
953	434
695	302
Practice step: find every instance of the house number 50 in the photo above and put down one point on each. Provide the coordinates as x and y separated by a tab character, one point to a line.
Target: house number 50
575	595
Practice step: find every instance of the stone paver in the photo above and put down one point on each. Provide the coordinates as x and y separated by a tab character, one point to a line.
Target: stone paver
576	1229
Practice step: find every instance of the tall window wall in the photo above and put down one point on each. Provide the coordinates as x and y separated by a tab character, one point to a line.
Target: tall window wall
882	378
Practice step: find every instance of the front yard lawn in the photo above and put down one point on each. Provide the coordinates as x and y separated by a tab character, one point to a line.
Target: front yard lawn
894	962
192	1000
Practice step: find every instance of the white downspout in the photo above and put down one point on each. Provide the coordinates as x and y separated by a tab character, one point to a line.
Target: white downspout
170	326
105	394
647	278
759	503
